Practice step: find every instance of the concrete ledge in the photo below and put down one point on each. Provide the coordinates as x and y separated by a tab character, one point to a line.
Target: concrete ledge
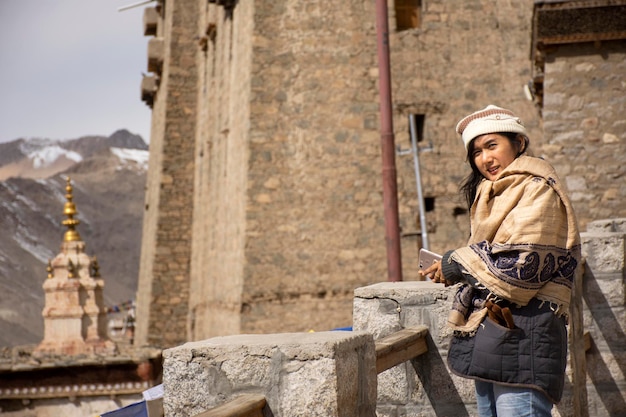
313	374
422	385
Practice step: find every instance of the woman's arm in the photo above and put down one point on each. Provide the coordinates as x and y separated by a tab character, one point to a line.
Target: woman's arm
453	272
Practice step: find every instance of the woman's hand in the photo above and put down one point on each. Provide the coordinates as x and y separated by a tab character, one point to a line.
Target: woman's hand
434	273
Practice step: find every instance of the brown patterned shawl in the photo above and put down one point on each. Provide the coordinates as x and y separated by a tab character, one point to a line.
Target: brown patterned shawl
524	242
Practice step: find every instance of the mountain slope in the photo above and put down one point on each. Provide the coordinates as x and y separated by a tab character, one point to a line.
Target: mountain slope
42	158
108	177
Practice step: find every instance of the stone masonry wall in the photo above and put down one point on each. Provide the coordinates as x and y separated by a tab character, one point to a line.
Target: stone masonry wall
604	295
264	201
422	386
585	125
464	56
220	193
163	288
314	215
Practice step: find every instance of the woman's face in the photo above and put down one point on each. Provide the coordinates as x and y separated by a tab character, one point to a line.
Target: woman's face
492	153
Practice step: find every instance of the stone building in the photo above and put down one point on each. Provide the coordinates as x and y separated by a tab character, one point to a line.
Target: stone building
264	206
579	60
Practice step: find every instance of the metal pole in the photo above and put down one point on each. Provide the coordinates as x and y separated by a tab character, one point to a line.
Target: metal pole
418	181
390	187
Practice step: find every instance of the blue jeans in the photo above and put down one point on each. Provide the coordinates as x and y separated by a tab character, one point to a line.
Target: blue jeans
495	400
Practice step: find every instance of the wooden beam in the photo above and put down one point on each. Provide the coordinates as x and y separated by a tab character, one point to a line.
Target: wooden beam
246	405
400	347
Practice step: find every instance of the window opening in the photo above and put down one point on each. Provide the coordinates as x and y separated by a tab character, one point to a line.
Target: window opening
408	14
429	203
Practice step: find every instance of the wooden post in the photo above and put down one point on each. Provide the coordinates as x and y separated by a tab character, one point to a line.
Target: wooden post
577	348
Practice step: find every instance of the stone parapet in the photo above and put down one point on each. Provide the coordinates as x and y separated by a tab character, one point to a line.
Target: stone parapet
604	315
322	374
423	385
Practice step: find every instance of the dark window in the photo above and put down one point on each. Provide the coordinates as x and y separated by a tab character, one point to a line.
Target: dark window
408	14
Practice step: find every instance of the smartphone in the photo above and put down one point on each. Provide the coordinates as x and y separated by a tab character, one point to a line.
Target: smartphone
427	258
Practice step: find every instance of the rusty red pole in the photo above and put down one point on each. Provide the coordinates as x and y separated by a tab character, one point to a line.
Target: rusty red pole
390	187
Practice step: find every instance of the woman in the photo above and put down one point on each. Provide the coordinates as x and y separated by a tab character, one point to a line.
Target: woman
517	271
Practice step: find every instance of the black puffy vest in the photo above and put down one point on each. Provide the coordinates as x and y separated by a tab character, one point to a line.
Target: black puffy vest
534	354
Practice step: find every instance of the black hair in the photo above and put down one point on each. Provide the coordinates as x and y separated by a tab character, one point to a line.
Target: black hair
469	186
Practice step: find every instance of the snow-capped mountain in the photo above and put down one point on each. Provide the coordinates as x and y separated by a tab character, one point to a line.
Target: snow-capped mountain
108	175
42	158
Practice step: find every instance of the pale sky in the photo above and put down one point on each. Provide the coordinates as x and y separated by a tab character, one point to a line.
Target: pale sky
71	68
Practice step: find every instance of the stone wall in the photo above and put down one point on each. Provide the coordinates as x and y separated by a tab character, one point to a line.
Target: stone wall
604	294
422	386
314	213
287	195
463	56
264	203
584	117
221	165
163	288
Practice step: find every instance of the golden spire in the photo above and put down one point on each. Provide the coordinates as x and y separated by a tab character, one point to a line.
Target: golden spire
70	211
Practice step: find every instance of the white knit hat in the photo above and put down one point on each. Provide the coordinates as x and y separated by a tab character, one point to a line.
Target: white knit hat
491	119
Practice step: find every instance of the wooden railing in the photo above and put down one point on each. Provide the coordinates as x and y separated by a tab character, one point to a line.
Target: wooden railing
400	346
391	350
246	405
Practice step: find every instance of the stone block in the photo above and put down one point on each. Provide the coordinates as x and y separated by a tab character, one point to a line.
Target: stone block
380	317
606	327
603	290
386	307
313	374
606	400
393	385
604	252
604	367
607	225
423	384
